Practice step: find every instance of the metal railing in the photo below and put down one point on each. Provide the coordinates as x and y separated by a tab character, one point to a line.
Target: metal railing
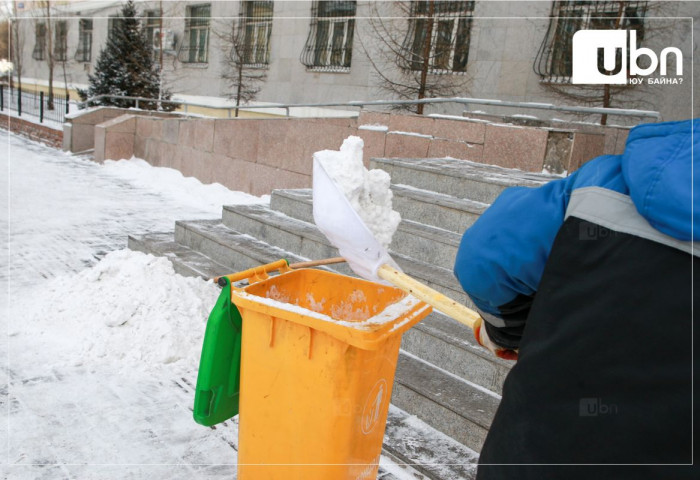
623	112
34	104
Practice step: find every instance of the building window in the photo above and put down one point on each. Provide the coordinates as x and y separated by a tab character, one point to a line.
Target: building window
329	44
114	23
84	51
255	29
554	59
440	30
39	52
195	45
60	46
152	25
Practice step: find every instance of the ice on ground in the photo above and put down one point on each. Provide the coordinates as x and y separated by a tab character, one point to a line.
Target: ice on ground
367	191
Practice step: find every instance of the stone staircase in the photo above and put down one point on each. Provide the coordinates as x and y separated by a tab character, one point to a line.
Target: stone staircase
442	377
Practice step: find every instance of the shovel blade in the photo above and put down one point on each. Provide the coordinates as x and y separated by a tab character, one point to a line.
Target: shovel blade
341	224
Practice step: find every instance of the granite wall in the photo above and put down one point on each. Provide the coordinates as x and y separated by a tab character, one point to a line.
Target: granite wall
258	155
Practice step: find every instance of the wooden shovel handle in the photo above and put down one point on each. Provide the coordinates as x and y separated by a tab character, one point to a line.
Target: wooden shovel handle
441	302
317	263
262	271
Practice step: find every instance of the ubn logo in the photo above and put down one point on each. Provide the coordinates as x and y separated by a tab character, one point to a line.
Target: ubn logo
588	43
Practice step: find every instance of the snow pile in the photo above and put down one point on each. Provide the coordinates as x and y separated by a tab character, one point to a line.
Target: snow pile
130	308
171	182
367	191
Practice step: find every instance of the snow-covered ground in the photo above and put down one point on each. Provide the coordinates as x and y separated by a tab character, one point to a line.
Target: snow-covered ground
101	344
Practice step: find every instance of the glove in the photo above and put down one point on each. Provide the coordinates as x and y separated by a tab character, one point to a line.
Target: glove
483	338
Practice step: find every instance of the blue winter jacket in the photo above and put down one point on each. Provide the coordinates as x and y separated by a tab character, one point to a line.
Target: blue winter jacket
503	255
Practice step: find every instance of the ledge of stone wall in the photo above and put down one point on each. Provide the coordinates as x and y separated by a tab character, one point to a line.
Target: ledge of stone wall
34	131
615	136
256	155
114	139
79	129
530	148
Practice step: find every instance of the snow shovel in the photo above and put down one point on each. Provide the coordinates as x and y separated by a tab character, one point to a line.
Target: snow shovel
218	380
342	225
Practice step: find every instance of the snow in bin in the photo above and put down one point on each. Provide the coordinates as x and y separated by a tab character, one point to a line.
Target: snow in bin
390	313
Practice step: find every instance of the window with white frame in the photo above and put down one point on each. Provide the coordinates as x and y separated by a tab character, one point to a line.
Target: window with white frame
39	52
438	35
554	59
60	45
195	44
84	51
329	44
256	27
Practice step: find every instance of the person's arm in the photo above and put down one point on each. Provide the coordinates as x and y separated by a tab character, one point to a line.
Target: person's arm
502	256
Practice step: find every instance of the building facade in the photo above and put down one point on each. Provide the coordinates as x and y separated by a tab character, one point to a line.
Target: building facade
338	51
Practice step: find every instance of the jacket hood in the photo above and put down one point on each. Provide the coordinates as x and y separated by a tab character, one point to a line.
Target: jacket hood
660	171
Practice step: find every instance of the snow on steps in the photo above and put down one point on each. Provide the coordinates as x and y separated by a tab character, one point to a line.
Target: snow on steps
305	239
412	239
422	206
458	178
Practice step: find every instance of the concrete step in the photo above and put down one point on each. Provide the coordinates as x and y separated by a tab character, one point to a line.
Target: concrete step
227	247
423	206
304	238
431	244
451	346
431	453
436	209
185	261
459	178
460	409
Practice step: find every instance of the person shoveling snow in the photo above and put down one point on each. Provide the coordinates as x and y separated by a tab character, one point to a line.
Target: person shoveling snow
587	281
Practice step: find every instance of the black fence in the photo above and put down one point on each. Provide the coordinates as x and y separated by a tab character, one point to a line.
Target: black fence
36	104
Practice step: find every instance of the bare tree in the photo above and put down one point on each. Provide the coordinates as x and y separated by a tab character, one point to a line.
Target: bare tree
419	49
244	71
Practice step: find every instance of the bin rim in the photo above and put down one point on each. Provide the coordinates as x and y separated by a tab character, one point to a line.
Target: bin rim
370	337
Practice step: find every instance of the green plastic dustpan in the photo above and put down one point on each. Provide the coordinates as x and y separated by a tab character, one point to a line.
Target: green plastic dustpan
218	380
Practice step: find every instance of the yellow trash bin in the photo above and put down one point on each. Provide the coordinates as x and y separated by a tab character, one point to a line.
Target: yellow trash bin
318	357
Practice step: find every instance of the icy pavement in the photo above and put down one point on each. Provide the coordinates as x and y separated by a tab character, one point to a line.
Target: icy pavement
100	364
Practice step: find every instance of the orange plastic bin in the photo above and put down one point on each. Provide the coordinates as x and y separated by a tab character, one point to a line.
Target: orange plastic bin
319	352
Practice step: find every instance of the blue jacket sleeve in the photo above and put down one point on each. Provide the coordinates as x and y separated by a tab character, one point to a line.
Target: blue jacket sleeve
502	256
